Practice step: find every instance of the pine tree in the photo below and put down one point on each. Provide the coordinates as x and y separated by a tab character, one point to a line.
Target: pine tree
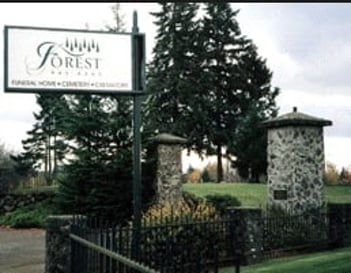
173	73
223	45
257	103
45	145
235	84
205	78
98	179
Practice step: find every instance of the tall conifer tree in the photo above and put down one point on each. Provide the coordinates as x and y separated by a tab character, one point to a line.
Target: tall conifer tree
205	78
98	179
236	82
45	146
173	73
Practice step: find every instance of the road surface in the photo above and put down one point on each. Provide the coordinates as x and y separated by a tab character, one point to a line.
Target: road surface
22	250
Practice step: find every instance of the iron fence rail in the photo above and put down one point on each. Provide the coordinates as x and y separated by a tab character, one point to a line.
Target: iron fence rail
196	246
104	265
289	233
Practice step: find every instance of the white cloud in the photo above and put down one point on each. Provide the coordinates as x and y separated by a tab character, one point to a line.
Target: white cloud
307	47
337	151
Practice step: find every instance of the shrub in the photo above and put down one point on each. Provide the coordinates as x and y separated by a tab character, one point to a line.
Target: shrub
180	235
205	176
211	169
29	216
222	202
331	175
194	176
186	209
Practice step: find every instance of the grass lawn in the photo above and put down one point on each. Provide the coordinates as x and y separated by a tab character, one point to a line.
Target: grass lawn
254	195
336	261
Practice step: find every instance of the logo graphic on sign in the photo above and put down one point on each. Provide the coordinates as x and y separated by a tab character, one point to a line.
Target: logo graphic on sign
73	55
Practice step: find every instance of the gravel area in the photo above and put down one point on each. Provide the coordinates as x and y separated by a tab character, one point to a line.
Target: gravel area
22	250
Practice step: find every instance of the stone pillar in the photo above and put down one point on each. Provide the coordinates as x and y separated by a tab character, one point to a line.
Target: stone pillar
247	234
295	157
169	167
58	244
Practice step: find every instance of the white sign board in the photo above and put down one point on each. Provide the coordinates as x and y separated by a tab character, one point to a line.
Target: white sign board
38	59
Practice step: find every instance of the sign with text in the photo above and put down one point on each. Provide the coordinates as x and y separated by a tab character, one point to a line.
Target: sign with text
42	59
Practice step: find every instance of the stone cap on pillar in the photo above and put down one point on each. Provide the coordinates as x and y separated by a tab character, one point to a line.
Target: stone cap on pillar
165	138
296	118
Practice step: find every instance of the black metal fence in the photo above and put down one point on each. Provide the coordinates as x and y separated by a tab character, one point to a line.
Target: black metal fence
180	245
283	234
201	244
95	249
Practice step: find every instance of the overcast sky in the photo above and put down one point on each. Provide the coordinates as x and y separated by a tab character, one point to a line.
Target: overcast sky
307	46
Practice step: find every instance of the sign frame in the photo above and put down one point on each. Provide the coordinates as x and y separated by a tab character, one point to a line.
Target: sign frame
137	91
137	63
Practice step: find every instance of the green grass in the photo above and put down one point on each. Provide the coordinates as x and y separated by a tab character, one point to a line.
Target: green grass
338	194
35	189
255	195
248	194
336	261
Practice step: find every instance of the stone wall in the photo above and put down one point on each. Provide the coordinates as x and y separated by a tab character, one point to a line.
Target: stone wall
295	169
12	201
247	233
58	244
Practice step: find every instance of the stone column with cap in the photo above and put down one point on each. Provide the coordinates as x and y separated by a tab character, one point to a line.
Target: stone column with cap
169	168
295	157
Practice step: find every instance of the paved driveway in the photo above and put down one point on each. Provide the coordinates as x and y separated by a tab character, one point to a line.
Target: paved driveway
22	250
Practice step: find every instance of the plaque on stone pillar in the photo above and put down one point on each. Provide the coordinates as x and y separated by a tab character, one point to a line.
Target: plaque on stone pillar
280	195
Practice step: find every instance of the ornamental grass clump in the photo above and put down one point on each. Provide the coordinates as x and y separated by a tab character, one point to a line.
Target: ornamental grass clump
181	235
182	211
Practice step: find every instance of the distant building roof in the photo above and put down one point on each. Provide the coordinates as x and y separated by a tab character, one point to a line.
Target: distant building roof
296	118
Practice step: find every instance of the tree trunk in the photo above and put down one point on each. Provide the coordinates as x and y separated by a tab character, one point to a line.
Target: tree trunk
46	162
55	157
49	174
219	164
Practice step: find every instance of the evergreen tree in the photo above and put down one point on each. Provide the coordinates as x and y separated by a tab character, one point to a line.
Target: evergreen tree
173	73
8	176
45	145
205	78
223	45
235	85
98	179
205	176
257	103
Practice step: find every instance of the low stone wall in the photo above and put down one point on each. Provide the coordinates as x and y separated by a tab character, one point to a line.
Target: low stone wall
12	201
247	234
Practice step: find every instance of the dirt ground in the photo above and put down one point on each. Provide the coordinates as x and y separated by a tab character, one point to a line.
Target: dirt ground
22	250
